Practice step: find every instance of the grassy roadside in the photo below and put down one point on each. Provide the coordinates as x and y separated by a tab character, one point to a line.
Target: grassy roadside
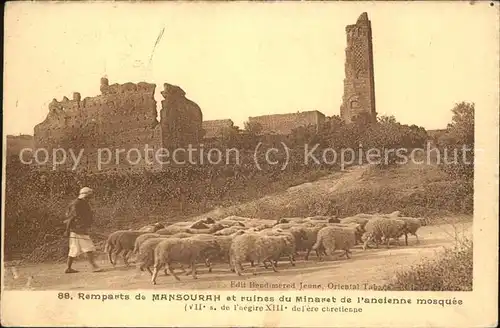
451	270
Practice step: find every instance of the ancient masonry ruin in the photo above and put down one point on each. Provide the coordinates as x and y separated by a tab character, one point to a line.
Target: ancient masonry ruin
283	124
359	85
215	128
122	117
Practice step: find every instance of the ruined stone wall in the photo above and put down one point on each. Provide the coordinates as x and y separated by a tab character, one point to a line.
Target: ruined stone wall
122	117
181	119
214	128
359	85
283	124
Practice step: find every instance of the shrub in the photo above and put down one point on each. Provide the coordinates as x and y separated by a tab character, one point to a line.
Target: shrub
458	141
450	272
36	201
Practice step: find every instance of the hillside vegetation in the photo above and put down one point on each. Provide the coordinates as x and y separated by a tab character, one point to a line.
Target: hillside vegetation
36	202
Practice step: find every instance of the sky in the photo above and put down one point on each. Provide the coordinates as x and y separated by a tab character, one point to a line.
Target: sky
237	60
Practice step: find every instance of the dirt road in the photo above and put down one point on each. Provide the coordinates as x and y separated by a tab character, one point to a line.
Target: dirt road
371	267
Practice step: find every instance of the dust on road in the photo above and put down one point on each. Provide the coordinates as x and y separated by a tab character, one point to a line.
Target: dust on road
367	269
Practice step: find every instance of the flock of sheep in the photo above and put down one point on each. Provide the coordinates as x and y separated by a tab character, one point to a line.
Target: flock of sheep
237	240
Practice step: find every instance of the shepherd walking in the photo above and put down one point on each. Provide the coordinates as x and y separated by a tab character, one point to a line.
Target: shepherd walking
80	218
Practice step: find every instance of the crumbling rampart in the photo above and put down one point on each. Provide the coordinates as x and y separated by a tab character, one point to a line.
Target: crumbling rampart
214	128
123	116
181	118
283	124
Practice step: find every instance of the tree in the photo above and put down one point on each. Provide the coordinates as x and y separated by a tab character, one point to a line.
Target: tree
363	120
303	135
330	133
461	128
385	136
459	140
230	136
253	128
253	134
384	119
333	123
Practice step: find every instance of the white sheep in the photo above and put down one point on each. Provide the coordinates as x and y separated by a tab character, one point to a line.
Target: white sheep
383	229
229	231
355	219
142	238
181	235
185	224
145	253
237	218
324	218
290	237
230	223
297	231
263	226
259	248
152	227
216	227
283	226
359	231
319	224
183	251
259	222
305	234
291	220
200	224
332	238
394	214
297	220
173	229
224	245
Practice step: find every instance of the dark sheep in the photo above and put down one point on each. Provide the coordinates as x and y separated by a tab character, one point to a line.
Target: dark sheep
121	241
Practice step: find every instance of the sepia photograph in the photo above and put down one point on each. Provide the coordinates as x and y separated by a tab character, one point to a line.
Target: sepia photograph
319	149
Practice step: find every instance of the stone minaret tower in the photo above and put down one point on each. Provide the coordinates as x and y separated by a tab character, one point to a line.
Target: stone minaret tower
359	85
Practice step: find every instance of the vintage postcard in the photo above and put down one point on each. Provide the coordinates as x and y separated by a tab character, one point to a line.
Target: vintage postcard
227	164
